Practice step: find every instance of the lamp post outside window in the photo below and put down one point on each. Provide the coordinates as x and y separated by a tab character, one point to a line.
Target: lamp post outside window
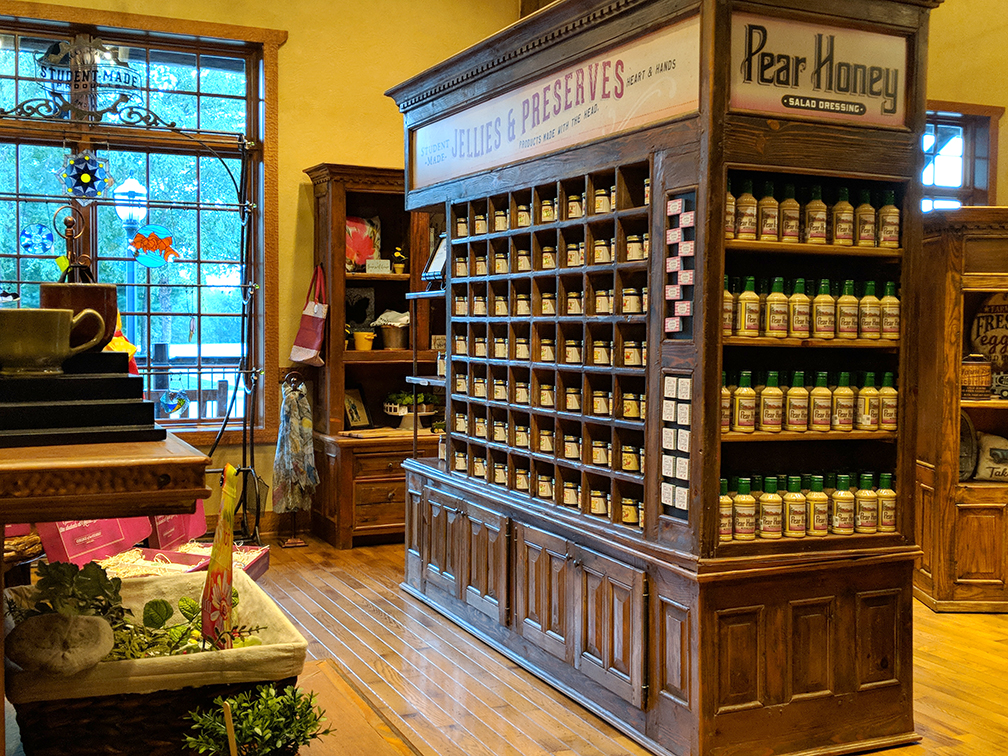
131	206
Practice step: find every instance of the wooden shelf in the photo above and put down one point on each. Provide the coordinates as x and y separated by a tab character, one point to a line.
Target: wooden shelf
997	404
798	248
765	547
427	381
792	343
732	436
387	355
990	492
404	277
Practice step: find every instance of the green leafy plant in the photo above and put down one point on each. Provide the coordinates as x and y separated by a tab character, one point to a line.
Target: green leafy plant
266	723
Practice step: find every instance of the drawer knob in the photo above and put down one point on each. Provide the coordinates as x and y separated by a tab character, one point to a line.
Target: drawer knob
391	495
389	466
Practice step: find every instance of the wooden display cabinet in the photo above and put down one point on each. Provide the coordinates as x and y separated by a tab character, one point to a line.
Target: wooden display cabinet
361	491
961	525
689	644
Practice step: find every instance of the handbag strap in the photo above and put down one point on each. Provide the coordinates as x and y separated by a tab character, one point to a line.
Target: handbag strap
316	287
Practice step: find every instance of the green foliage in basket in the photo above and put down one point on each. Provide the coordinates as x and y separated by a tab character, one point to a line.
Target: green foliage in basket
266	723
67	589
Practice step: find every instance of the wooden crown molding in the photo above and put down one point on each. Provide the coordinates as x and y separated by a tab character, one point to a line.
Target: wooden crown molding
361	178
975	220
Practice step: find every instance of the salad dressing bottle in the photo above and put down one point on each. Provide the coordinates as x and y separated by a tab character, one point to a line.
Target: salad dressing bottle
866	506
726	403
870	313
842	217
794	509
771	400
816	509
799	307
889	307
797	404
745	213
770	509
886	504
744	405
868	405
843	405
729	214
847	312
888	223
815	218
744	511
776	323
727	310
820	405
823	313
789	225
843	507
767	212
747	322
724	513
864	221
888	403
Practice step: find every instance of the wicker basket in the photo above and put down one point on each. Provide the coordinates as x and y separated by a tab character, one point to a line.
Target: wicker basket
138	706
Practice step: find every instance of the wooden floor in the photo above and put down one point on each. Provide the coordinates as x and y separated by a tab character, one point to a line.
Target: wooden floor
434	690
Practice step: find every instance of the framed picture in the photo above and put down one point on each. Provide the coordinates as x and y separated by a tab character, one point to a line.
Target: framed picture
356	412
436	265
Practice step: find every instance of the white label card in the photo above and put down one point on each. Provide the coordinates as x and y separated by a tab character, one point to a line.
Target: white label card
673	236
681	498
682	468
675	207
668	439
686	248
670	387
673	293
686	220
683	414
668	465
685	278
667	494
673	325
683	308
672	264
669	411
683	439
685	389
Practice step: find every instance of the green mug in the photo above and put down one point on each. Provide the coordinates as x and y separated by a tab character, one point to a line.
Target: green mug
34	342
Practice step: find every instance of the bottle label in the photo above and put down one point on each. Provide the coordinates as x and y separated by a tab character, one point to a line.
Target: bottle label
770	412
867	514
770	518
796	517
799	325
815	227
746	222
727	316
887	513
847	320
888	229
768	224
750	320
745	413
870	316
725	524
890	314
824	323
868	412
745	520
866	230
820	419
819	514
843	412
725	412
843	228
729	225
790	220
797	411
843	516
777	319
887	412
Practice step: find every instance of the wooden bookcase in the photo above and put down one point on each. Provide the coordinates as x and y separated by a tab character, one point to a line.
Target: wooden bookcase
689	644
961	525
361	488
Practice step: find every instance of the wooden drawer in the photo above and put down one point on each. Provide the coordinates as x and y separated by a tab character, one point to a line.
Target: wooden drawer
379	465
379	504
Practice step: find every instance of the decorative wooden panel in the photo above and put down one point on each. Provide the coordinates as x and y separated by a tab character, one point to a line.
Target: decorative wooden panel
979	545
609	607
413	520
542	590
674	650
810	653
440	533
484	551
877	620
741	662
925	511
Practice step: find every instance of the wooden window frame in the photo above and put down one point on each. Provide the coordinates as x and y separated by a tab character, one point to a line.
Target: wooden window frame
971	118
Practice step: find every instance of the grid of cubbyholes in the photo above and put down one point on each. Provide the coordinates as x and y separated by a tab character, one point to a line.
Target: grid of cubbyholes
549	289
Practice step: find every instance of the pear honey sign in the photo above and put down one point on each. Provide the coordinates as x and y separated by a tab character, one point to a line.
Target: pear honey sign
989	333
819	72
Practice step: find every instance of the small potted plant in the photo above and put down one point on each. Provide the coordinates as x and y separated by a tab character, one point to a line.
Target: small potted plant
266	723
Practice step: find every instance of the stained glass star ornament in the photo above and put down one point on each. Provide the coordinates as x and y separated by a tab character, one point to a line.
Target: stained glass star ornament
85	176
36	239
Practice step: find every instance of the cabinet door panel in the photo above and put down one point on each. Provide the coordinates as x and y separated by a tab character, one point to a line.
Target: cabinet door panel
413	519
484	557
541	590
610	622
442	553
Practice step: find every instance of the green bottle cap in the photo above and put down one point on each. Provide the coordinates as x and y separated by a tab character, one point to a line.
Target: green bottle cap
756	482
806	481
865	197
848	288
782	482
817	482
771	379
869	380
820	380
770	486
726	281
799	286
889	197
724	378
745	379
831	480
747	186
869	288
794	484
842	194
750	283
729	186
824	286
778	285
867	479
789	192
743	486
843	482
887	380
817	192
844	379
724	486
885	480
798	379
733	483
890	289
768	189
764	285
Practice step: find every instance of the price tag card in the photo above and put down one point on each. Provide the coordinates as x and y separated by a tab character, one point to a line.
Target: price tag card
667	494
668	465
687	248
683	414
684	389
673	236
668	411
685	278
672	264
671	387
683	439
681	497
668	439
683	308
686	220
675	206
673	325
673	292
682	468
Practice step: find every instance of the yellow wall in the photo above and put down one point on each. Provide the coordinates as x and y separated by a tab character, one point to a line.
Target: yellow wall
966	51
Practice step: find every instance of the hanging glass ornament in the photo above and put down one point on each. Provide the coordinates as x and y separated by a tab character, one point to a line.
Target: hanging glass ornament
152	246
85	176
36	239
174	400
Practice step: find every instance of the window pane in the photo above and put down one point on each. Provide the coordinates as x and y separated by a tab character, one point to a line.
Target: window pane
172	71
8	94
175	108
221	294
172	178
927	205
172	289
222	114
947	204
928	140
950	139
182	226
222	75
29	50
927	175
220	236
948	171
37	169
6	55
217	186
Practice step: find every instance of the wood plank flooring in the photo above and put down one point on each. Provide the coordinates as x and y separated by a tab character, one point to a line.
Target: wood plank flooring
447	694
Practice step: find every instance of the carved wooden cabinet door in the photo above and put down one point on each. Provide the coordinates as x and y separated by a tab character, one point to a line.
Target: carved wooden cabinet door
542	590
414	517
440	537
485	561
609	623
